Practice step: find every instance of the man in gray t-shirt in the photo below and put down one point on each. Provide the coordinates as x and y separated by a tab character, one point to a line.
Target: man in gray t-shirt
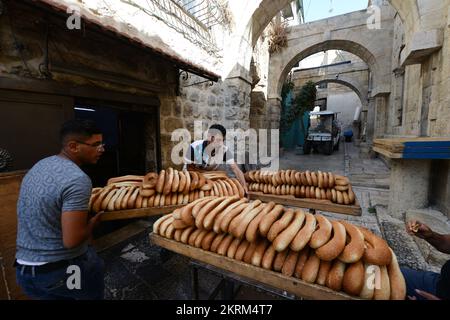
53	223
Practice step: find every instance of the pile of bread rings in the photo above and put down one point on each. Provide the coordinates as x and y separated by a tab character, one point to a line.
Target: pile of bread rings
335	254
168	188
307	185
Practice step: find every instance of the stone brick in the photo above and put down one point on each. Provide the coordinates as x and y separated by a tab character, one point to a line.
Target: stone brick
171	124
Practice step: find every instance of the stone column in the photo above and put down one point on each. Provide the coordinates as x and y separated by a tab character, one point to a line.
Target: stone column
409	186
370	121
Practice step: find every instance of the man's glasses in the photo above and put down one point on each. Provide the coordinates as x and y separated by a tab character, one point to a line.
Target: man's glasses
98	145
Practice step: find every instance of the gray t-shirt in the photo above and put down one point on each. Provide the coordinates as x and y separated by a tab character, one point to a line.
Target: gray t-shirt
54	185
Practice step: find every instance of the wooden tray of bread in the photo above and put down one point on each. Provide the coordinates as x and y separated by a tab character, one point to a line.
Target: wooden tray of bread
273	279
255	239
323	205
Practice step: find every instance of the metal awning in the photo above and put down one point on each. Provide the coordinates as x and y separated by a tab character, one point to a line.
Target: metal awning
132	35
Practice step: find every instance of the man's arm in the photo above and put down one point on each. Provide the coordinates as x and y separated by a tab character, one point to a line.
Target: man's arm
76	228
240	176
439	241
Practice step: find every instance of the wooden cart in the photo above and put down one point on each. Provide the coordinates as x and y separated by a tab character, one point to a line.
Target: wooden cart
268	278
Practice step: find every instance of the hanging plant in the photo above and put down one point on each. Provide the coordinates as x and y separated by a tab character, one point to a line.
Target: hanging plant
277	36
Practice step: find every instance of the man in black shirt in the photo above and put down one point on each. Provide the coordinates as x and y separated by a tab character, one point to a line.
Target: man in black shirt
424	285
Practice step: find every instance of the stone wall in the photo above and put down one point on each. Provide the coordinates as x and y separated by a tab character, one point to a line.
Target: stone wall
84	58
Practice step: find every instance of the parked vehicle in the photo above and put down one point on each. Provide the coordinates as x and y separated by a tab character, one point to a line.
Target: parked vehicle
324	133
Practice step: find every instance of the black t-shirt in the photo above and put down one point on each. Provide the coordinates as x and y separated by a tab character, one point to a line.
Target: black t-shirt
443	286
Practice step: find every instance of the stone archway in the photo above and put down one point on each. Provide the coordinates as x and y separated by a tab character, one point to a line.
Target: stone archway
358	89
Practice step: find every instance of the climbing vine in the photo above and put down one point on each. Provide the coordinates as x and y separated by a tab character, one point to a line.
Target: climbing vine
303	102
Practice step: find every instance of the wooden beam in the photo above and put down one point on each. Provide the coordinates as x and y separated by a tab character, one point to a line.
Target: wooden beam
266	277
137	213
323	205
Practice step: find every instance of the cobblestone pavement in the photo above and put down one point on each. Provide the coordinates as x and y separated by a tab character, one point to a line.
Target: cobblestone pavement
136	269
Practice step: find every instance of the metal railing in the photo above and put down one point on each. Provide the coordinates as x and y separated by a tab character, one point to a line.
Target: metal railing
185	17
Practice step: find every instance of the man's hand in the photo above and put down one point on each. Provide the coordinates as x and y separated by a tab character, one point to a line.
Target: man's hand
419	230
426	295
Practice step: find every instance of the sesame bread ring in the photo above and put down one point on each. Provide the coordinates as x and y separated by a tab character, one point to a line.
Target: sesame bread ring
249	252
311	269
201	180
226	220
323	234
354	250
259	252
232	249
160	182
303	179
158	222
207	208
315	180
396	279
182	183
225	212
336	275
324	270
377	251
239	187
284	239
368	289
252	232
290	263
333	196
208	221
268	258
150	180
216	242
193	236
239	230
331	180
280	258
303	237
353	281
208	240
200	237
187	188
269	219
302	258
326	183
333	248
175	182
384	292
309	178
339	197
240	252
235	228
320	179
194	180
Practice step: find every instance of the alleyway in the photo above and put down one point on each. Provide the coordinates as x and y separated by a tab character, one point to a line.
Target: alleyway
138	270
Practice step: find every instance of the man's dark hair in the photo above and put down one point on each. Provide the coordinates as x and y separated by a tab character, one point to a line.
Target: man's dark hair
219	128
78	129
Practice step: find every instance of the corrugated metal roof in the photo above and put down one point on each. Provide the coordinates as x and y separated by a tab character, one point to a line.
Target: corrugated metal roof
123	30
